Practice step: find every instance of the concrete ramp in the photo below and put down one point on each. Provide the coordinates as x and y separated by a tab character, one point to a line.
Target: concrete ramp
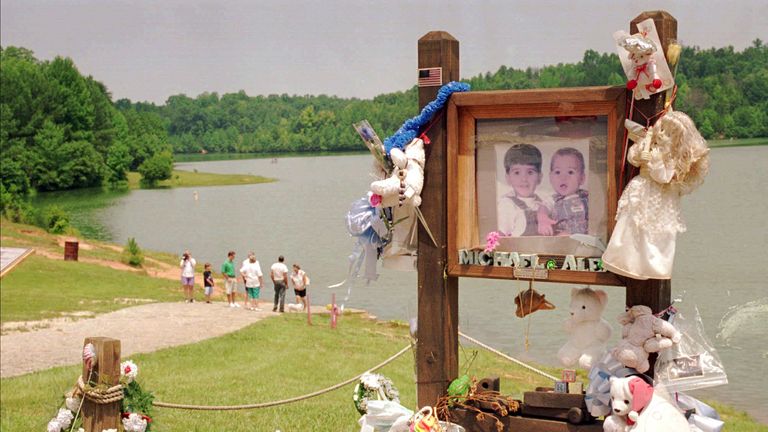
10	257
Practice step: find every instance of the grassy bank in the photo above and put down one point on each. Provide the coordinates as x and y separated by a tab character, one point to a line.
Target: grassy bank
198	179
41	288
274	359
738	142
28	236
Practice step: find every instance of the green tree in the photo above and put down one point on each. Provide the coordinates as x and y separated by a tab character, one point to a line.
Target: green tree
158	167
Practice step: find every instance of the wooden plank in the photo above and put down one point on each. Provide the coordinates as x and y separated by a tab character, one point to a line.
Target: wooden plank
558	95
532	110
553	400
437	361
98	417
560	276
469	421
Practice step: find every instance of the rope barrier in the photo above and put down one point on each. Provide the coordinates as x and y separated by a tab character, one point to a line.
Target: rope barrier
280	402
512	359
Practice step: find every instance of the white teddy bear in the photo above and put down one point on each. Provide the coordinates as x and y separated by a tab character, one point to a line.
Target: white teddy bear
636	406
404	186
588	330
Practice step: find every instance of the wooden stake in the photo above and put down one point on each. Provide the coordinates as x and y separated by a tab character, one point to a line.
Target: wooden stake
438	295
106	372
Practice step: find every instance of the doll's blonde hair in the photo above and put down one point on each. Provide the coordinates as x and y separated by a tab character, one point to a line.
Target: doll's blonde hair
687	150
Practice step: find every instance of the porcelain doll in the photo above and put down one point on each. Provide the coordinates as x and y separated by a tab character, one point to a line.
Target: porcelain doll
673	159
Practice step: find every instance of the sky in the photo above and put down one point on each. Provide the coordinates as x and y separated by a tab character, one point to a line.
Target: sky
149	50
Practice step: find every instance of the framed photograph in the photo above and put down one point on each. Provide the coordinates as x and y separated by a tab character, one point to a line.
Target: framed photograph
536	169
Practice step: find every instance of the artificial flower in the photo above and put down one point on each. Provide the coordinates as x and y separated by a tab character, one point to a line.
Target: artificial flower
54	426
491	241
375	200
134	423
73	403
89	355
64	418
370	381
128	371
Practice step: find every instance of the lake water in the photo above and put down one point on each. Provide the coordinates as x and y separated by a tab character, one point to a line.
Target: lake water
720	261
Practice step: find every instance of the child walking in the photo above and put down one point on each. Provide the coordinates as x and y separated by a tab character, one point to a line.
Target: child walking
208	282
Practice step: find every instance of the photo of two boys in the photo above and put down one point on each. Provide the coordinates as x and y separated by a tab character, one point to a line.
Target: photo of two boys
546	194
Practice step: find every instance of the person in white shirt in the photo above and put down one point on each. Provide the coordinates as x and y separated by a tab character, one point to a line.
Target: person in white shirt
279	274
253	279
300	282
187	266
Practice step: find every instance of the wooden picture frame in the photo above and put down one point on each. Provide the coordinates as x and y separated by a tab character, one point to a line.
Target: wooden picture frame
476	120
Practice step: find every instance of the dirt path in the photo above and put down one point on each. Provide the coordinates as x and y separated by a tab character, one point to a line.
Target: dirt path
140	329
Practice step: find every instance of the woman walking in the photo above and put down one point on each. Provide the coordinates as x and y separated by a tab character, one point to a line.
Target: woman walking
300	282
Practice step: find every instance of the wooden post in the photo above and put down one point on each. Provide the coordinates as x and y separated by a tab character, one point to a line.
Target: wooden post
438	295
334	311
98	417
654	293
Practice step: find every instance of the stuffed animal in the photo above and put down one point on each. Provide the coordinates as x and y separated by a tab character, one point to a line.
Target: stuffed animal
643	333
406	180
643	79
529	301
636	406
587	329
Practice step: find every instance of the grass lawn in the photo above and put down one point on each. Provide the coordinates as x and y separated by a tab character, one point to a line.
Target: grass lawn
274	359
198	179
41	288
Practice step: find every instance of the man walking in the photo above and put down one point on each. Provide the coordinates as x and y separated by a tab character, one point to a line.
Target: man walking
279	274
230	279
253	279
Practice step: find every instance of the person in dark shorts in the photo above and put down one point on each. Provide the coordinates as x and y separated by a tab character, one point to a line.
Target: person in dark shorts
208	282
300	282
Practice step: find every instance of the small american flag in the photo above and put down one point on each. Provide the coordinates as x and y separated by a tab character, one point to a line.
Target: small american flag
430	77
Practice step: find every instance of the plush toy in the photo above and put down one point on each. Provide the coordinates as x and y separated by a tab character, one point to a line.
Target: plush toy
643	79
587	329
404	185
636	406
643	333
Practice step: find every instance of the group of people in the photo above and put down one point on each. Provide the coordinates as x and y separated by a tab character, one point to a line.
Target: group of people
522	212
253	280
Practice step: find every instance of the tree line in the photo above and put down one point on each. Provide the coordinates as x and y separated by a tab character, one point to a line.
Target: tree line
725	91
61	130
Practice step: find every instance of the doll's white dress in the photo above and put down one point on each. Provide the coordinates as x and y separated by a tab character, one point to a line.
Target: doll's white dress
642	245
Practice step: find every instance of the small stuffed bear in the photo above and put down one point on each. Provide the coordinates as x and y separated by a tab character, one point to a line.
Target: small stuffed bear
636	406
407	179
588	330
643	333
